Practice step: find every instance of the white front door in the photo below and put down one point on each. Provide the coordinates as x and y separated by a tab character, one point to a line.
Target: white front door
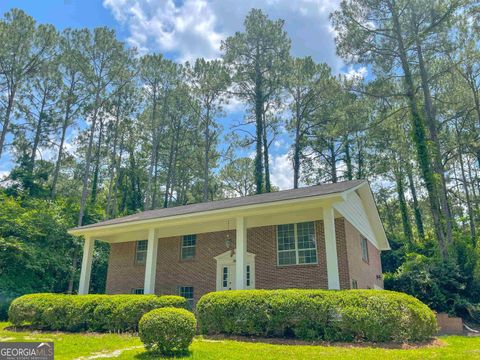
226	271
228	277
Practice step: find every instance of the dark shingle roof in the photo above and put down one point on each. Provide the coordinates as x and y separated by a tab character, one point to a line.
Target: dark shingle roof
317	190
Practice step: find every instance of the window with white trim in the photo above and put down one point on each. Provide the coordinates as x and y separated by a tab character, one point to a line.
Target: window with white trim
225	277
364	245
296	244
187	293
248	279
138	291
354	284
141	252
189	242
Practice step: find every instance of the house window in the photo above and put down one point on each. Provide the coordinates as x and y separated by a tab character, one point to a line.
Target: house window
138	291
296	244
364	245
141	252
354	284
225	277
187	293
248	275
189	243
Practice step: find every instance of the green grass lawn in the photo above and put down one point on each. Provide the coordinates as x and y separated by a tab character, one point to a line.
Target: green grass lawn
125	346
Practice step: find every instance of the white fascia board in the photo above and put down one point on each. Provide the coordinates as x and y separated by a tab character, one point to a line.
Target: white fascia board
246	210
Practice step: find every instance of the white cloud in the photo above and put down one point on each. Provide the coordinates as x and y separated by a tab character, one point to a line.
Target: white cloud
356	73
194	28
281	171
4	174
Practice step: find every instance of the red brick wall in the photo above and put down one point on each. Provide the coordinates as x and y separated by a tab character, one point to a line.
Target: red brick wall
262	242
364	273
172	272
123	274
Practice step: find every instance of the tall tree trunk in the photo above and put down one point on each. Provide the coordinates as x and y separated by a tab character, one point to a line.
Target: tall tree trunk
65	124
118	179
259	127
93	198
471	217
266	156
88	159
419	136
296	147
438	167
113	160
360	159
348	159
333	161
6	120
407	227
149	203
169	171
416	206
38	133
473	187
206	169
72	273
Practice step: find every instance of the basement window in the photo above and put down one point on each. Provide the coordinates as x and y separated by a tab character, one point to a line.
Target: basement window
187	293
189	243
138	291
296	244
141	252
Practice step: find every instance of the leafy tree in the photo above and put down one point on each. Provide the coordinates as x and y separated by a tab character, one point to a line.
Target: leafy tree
306	84
208	82
237	177
24	48
258	59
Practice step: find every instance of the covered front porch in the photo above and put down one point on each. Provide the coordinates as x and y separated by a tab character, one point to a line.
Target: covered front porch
230	220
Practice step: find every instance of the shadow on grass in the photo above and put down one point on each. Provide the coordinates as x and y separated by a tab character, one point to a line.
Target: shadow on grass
147	355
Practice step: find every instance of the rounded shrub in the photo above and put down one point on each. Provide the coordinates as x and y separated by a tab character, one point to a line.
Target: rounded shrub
347	315
102	313
167	330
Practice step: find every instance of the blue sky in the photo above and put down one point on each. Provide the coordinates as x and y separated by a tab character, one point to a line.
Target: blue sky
186	29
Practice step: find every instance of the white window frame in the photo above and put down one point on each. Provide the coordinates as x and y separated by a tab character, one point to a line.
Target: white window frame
137	291
140	251
364	246
295	234
182	247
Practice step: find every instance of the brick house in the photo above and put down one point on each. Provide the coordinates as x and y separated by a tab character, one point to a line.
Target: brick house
324	236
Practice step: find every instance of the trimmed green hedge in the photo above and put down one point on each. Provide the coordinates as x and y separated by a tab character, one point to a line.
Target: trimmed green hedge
101	313
348	315
167	330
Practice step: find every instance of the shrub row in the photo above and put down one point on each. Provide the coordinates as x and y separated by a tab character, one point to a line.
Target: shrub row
352	315
103	313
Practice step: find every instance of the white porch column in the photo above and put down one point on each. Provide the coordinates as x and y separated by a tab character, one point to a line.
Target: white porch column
151	262
86	270
240	253
331	247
